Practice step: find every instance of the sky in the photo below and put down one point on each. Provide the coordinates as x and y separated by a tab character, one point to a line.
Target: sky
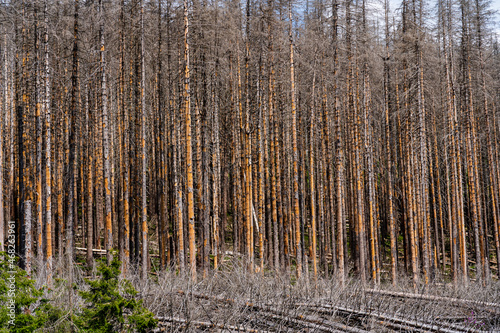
495	5
377	5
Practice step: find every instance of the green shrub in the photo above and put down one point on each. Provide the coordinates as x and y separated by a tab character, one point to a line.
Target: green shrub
112	305
31	311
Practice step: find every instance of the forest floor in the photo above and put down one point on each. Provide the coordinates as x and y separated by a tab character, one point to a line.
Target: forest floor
232	299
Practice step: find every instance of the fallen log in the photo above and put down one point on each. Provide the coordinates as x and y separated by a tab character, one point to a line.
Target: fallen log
270	309
316	324
98	251
433	298
389	320
204	324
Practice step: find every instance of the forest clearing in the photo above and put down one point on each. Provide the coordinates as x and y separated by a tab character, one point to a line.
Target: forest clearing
258	165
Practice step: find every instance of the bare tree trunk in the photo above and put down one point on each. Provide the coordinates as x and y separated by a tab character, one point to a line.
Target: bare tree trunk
162	183
339	164
296	208
248	150
272	126
72	147
312	177
178	193
144	221
39	139
189	154
106	144
27	223
48	142
216	168
261	156
21	228
392	222
125	143
90	162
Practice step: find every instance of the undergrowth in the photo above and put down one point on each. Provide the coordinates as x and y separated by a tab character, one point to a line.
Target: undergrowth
104	304
102	299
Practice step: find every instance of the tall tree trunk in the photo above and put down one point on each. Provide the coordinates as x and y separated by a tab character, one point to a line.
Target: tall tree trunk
189	154
21	154
144	221
340	214
39	139
261	156
392	221
72	144
90	162
48	147
312	177
105	141
248	149
216	168
125	143
296	209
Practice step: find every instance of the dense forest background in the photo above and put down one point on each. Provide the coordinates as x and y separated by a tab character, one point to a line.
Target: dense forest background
325	137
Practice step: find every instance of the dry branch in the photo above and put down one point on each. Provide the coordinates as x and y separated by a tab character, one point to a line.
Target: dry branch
395	322
434	298
201	324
